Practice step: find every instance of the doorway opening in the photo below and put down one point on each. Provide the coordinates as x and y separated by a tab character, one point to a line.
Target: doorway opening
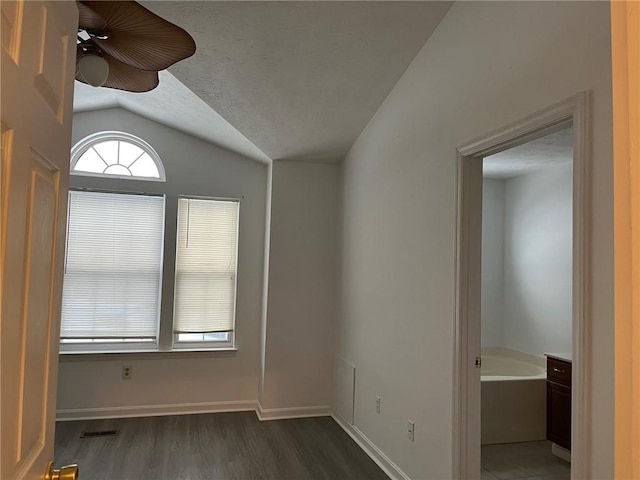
526	321
572	116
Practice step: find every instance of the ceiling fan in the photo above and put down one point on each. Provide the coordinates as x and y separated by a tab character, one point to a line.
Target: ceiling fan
123	45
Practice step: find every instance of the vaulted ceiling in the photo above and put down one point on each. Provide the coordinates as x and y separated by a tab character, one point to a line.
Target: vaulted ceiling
172	104
299	80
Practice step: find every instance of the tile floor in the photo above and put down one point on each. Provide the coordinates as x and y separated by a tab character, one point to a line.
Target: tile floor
530	460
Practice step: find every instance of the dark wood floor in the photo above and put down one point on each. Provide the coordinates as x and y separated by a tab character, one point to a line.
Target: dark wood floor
223	446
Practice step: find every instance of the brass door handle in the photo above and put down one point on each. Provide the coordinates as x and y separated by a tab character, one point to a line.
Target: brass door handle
68	472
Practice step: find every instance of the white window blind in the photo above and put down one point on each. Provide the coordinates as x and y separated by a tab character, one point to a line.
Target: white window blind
113	266
206	262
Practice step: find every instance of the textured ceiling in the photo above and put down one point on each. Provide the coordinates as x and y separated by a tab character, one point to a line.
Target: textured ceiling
553	149
299	79
172	104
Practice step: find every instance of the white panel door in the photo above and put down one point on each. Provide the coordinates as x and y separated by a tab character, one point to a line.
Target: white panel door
38	63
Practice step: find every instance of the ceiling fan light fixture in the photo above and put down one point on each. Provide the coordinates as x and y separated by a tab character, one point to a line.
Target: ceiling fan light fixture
92	69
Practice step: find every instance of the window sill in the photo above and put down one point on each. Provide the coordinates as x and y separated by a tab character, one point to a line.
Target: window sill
147	354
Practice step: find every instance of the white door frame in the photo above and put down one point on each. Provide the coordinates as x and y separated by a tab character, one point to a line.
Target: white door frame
466	433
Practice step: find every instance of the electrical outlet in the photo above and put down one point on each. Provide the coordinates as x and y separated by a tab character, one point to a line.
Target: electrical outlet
127	372
411	430
378	401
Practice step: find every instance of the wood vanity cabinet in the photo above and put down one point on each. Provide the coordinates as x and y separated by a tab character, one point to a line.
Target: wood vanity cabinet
559	402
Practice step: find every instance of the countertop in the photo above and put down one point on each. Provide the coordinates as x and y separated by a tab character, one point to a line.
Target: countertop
560	356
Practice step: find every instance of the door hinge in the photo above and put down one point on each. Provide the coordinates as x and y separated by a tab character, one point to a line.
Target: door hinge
478	361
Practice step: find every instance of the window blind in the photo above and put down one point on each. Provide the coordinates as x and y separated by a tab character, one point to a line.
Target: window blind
113	266
206	262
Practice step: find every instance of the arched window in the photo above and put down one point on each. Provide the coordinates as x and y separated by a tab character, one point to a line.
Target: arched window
116	154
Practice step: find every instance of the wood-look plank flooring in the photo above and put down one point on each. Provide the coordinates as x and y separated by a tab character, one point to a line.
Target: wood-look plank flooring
223	446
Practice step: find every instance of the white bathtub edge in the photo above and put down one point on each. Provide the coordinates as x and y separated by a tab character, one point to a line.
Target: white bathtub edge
537	360
502	378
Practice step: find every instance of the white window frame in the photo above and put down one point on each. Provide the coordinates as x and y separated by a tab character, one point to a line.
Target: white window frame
205	344
109	347
97	345
86	143
166	341
208	344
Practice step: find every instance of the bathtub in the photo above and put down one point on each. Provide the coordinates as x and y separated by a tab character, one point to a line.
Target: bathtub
513	396
509	366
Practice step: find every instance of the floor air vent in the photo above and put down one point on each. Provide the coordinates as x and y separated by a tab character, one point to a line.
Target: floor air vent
99	433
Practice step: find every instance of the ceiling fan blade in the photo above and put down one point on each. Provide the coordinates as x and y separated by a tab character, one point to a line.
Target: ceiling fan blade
140	38
130	79
88	19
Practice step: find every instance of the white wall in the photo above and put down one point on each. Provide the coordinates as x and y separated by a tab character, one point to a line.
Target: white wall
487	65
526	261
492	262
192	167
302	286
538	262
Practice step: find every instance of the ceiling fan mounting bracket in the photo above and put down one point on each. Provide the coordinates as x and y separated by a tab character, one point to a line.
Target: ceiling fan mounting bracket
99	34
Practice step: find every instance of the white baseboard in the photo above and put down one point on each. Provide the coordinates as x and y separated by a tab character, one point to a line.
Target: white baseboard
293	412
390	468
155	410
561	452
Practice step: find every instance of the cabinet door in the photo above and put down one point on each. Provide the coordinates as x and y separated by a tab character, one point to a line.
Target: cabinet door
559	415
